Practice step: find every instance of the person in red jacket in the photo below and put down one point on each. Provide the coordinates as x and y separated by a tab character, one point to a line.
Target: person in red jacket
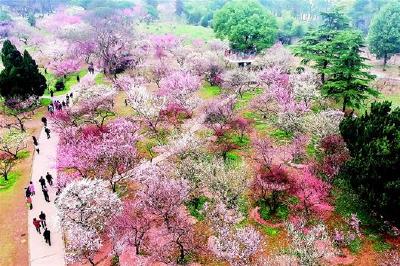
36	223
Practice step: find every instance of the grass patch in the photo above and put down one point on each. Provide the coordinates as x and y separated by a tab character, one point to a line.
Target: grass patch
195	207
281	135
238	140
247	97
281	214
190	32
12	178
233	158
45	102
23	154
69	81
209	92
269	230
100	78
145	148
355	246
378	243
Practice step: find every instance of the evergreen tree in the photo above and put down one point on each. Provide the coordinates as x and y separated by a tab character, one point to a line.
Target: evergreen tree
384	33
315	46
20	76
348	81
374	168
179	8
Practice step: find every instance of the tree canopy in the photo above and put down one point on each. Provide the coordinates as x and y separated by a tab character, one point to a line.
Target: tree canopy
246	24
373	170
384	34
20	76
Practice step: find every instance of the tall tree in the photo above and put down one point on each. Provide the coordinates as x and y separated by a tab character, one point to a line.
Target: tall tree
246	24
384	34
314	47
20	76
373	141
348	79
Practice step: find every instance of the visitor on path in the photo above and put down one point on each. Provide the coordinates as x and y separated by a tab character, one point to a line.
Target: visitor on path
46	235
44	120
29	203
126	102
49	178
46	194
37	150
42	182
78	78
47	130
36	223
31	188
51	109
71	94
35	142
63	103
27	192
42	217
51	93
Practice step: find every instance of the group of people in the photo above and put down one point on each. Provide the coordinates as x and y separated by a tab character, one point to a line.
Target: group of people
41	222
30	190
58	106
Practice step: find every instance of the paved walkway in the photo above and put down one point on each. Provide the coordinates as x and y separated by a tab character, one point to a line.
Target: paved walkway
40	253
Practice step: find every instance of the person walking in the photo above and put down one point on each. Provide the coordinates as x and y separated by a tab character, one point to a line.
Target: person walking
27	192
42	182
47	130
37	150
51	93
31	188
46	235
49	178
36	223
42	217
35	142
29	203
46	194
44	120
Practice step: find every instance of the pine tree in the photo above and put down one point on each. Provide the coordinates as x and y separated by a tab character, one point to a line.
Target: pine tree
314	47
348	81
179	8
20	76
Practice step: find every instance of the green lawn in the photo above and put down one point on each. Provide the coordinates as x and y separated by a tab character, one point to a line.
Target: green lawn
209	92
69	81
247	97
183	30
100	79
12	178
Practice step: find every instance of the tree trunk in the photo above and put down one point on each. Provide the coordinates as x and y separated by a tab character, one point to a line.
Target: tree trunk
385	59
91	261
5	176
344	104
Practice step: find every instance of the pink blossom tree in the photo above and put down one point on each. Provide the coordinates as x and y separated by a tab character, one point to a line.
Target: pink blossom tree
312	193
178	88
239	80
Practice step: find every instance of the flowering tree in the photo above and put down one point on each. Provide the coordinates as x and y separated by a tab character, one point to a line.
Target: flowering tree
12	142
335	154
147	105
236	245
312	193
276	56
178	88
93	111
239	80
132	226
108	154
64	67
84	218
7	162
164	197
324	123
310	245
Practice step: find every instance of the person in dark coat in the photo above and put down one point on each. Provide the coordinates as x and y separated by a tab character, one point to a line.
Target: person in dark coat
42	182
42	217
51	93
37	150
36	223
44	120
46	194
46	235
47	130
35	142
49	178
27	192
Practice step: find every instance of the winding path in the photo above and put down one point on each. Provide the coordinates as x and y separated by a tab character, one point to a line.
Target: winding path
40	253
